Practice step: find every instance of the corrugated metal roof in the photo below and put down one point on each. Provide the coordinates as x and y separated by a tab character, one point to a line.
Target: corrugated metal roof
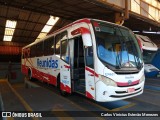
32	15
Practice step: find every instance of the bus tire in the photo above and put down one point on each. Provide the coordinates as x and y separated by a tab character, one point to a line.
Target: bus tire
29	74
63	93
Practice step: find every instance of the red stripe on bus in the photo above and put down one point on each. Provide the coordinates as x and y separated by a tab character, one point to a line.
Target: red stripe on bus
126	83
40	75
80	30
65	88
79	21
92	71
67	66
89	95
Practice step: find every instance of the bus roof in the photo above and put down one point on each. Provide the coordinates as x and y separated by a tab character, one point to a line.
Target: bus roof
84	20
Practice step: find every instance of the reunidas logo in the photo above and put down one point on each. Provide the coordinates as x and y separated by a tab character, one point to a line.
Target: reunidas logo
47	63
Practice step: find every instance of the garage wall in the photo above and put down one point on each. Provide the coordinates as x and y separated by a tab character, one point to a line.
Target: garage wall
12	71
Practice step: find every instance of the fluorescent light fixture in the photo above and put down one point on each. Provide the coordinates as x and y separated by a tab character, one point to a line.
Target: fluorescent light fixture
49	25
41	35
11	24
9	30
149	32
136	31
46	28
7	38
52	20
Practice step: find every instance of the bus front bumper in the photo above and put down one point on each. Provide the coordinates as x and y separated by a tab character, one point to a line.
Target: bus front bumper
109	93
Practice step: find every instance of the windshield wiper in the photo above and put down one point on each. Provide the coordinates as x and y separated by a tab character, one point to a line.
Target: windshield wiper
118	65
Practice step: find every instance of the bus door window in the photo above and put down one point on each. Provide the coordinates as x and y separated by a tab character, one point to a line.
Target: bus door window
79	66
81	54
65	51
89	56
78	53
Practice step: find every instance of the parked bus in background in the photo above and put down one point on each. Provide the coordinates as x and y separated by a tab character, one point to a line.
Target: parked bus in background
95	58
149	51
156	61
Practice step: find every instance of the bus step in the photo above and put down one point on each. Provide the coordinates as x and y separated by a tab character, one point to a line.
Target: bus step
82	81
82	85
79	92
81	76
81	70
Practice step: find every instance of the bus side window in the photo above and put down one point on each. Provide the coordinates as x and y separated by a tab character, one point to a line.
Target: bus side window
31	55
46	44
57	41
39	51
49	46
57	44
32	51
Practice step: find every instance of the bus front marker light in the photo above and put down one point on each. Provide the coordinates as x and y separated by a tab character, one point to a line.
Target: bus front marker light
142	78
92	88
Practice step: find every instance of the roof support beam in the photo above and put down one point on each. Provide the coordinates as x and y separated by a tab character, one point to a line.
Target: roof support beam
126	10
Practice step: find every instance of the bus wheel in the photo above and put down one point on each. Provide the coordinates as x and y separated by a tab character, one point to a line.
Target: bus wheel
63	93
30	76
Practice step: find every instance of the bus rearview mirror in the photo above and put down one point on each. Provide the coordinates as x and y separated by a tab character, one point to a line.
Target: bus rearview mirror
87	39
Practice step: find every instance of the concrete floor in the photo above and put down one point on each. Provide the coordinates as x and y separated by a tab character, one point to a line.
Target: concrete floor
44	97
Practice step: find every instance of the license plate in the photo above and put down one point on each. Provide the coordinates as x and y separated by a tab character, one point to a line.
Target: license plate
130	90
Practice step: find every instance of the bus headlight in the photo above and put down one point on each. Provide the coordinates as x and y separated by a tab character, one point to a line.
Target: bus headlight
142	78
107	81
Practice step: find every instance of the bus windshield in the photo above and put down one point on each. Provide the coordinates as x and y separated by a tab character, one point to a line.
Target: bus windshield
116	46
148	56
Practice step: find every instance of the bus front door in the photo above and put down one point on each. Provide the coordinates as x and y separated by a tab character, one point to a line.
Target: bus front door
78	69
83	69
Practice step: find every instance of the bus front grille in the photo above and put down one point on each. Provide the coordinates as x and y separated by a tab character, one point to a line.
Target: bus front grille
122	92
120	96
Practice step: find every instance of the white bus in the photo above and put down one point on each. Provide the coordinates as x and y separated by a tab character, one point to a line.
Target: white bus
98	59
149	50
